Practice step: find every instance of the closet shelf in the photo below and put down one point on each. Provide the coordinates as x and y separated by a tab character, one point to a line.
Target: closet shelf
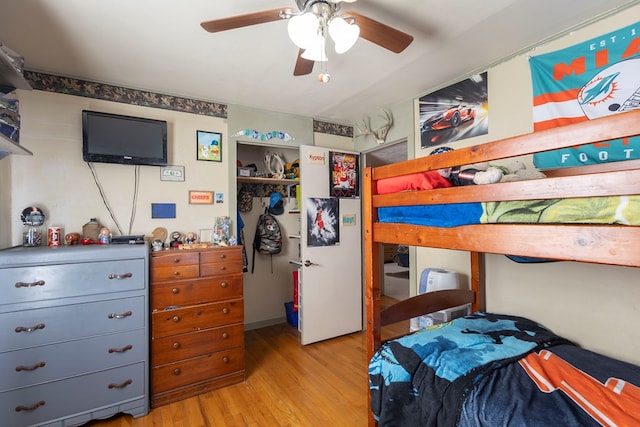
262	180
7	146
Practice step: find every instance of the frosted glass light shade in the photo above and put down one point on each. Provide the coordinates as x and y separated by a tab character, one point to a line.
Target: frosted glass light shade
303	29
316	50
344	35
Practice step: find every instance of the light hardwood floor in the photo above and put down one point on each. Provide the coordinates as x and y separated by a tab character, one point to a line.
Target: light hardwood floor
287	384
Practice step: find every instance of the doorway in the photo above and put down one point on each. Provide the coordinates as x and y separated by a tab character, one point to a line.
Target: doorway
396	278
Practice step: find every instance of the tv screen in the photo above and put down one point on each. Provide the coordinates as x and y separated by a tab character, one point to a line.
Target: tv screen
113	138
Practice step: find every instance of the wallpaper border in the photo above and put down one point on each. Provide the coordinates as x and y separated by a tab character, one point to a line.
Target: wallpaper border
88	89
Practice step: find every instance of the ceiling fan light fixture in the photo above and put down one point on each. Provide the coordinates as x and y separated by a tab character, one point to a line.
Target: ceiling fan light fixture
344	35
303	29
316	50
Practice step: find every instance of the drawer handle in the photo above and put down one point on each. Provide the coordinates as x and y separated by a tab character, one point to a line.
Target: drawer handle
176	345
177	371
121	385
225	335
29	285
224	284
225	359
176	260
223	267
33	407
175	291
120	316
225	310
30	368
31	329
120	276
223	256
176	273
121	350
176	319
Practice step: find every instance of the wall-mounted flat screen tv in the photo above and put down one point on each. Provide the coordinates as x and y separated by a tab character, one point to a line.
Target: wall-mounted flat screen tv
113	138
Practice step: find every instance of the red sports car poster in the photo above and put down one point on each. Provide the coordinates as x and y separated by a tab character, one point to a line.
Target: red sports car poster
456	112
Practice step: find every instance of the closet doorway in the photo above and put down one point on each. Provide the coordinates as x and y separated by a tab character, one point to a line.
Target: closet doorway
396	282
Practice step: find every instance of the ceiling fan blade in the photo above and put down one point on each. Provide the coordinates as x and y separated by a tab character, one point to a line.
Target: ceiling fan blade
303	66
239	21
380	34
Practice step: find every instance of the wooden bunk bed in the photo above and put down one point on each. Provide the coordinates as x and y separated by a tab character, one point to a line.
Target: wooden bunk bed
612	244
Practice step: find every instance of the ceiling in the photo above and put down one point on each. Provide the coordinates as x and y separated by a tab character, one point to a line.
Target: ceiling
158	45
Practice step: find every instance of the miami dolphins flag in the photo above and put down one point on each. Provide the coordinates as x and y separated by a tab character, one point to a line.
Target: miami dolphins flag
597	78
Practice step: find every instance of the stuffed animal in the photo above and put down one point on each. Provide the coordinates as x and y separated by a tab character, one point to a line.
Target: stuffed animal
517	171
478	173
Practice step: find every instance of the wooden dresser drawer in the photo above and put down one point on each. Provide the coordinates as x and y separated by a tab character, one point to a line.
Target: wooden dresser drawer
174	258
45	282
191	371
53	400
195	318
178	271
49	325
185	346
40	364
225	255
196	291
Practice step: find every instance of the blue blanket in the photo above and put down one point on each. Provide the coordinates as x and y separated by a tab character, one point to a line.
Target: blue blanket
424	378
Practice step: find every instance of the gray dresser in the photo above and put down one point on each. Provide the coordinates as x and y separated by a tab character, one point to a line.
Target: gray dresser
74	334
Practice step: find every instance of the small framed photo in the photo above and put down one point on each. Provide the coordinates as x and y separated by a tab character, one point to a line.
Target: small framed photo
209	146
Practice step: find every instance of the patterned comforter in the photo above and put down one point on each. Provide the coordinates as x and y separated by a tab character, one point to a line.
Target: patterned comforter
492	370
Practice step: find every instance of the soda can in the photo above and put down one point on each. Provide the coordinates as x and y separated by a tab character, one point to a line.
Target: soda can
54	237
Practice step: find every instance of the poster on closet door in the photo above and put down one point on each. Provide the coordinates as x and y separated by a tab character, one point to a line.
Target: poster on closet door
323	228
343	174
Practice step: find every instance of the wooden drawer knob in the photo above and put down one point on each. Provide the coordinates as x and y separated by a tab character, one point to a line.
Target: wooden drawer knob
225	310
223	256
176	319
176	345
176	260
176	273
223	267
225	335
175	291
225	359
177	371
224	284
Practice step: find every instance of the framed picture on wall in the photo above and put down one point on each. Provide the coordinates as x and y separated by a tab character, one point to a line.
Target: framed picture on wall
208	146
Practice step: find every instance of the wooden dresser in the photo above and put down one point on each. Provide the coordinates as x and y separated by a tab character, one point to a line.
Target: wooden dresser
74	341
197	322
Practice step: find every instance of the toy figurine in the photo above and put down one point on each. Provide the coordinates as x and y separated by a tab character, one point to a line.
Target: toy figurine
176	239
72	239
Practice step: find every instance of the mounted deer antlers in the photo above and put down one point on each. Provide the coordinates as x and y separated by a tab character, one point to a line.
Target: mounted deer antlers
379	134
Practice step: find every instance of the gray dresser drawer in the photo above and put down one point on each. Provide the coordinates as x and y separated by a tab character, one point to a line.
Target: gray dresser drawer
47	363
35	405
45	282
29	328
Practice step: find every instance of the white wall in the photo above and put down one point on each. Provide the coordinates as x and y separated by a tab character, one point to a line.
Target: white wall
57	180
596	306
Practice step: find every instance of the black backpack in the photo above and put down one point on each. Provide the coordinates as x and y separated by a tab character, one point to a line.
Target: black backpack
268	237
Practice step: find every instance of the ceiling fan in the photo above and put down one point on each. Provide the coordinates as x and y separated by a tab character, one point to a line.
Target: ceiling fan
315	22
